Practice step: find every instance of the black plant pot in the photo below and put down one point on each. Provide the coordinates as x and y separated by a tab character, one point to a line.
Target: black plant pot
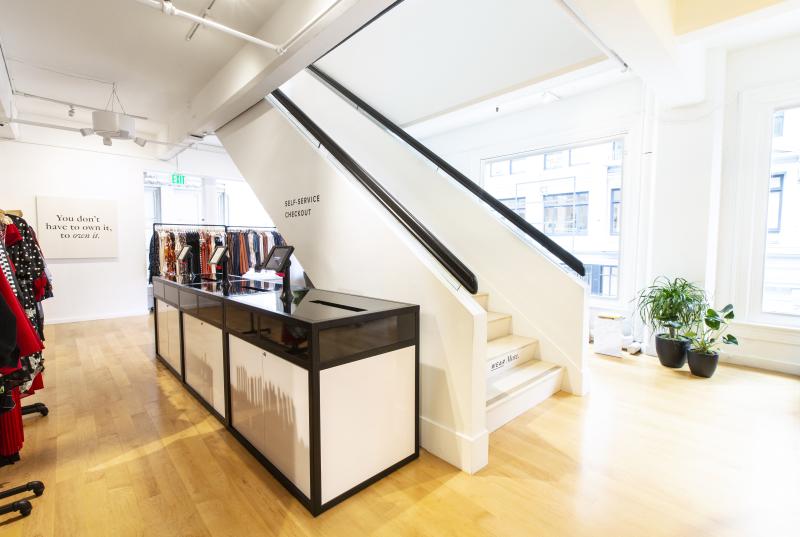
702	364
671	352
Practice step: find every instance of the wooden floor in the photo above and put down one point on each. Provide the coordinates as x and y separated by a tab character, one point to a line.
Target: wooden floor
650	452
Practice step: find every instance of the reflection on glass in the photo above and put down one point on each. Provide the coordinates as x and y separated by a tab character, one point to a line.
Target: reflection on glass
574	195
782	252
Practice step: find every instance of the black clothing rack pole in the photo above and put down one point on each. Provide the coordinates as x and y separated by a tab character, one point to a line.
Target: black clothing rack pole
203	226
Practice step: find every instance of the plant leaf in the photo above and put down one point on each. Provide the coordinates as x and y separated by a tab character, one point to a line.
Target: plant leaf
727	308
730	339
729	315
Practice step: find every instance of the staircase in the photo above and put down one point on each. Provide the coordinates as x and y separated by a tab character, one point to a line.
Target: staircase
517	380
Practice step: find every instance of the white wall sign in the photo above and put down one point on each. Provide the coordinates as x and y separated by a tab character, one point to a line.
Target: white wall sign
77	228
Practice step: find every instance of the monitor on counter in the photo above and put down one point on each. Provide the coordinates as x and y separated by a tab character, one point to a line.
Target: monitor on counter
279	258
218	255
185	251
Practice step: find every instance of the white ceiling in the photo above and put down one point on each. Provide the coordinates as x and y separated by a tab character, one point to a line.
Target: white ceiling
428	57
121	41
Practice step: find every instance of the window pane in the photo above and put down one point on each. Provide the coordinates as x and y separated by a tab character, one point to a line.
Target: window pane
777	125
498	168
519	165
558	159
782	253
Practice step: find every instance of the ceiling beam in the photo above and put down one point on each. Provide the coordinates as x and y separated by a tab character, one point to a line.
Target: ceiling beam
254	72
641	32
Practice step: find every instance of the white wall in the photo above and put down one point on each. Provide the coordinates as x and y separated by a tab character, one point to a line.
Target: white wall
349	243
56	163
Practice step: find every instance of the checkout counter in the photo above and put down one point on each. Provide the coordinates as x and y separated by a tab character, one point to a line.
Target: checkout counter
321	387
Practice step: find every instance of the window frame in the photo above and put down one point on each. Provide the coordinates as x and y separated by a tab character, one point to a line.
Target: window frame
747	218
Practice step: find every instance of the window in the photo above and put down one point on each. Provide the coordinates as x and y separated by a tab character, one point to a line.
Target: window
616	203
498	168
775	205
222	207
603	280
781	286
566	213
553	193
515	204
519	165
557	159
777	124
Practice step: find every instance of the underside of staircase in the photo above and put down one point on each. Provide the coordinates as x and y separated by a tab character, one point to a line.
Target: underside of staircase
517	380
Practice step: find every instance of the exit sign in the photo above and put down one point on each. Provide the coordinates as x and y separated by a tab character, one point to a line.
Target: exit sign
178	179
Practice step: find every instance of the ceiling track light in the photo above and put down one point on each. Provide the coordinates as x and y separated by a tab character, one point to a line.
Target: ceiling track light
141	142
71	111
107	141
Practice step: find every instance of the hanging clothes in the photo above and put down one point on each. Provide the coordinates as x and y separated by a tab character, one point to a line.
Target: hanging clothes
249	248
15	365
22	258
166	243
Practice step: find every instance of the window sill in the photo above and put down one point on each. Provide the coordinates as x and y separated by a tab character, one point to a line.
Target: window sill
765	332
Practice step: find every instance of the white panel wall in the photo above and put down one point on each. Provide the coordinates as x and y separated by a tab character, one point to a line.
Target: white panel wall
349	243
545	301
55	163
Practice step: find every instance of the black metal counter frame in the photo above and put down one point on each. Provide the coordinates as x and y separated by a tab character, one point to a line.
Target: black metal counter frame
318	346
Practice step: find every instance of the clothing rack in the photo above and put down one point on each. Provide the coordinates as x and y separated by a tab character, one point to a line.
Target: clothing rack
22	506
162	226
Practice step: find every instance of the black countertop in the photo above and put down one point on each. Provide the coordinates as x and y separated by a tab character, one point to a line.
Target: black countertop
308	305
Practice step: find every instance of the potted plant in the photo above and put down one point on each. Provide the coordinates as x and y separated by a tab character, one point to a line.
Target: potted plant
675	306
704	352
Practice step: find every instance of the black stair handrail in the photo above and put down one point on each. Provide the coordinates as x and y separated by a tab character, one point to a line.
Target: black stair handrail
442	254
526	227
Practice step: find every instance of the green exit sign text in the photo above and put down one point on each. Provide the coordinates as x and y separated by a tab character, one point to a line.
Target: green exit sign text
178	179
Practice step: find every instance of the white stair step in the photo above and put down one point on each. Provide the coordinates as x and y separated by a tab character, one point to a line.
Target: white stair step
499	325
482	299
510	351
520	389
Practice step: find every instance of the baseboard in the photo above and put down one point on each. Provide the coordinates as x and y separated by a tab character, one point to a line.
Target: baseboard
84	318
466	453
761	363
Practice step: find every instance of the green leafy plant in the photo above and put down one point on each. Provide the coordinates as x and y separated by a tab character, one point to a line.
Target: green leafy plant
711	331
675	305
